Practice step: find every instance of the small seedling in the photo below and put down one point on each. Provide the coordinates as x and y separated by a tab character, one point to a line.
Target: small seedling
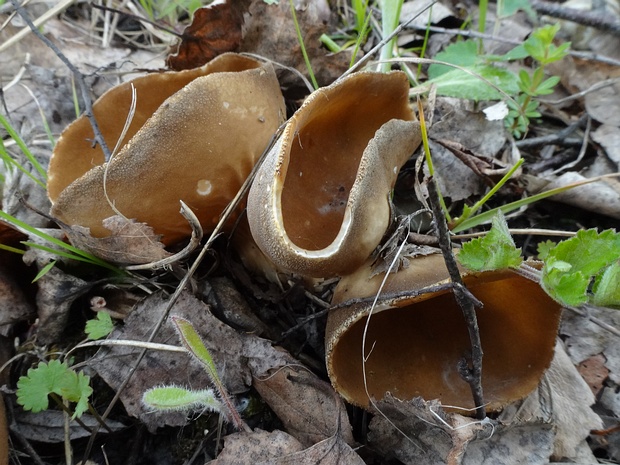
54	379
540	47
99	327
167	398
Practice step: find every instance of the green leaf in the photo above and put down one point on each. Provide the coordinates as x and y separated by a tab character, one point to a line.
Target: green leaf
99	327
174	398
44	271
517	53
606	289
544	248
463	53
496	250
546	87
33	389
192	342
463	84
53	377
75	387
571	266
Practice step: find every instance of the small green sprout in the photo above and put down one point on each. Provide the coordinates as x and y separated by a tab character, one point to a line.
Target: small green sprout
99	327
167	398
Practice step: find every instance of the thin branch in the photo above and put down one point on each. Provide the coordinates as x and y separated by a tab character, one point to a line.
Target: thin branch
604	22
79	77
470	371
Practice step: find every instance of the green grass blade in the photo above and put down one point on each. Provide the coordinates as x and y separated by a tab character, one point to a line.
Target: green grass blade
488	215
88	257
22	145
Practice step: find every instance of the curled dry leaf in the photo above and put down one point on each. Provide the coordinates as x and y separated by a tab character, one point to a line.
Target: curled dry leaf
215	29
129	242
599	197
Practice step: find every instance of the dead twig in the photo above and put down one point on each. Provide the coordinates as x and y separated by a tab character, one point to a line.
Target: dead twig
601	21
470	371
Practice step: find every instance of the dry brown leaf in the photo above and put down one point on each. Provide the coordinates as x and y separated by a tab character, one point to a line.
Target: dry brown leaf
563	401
49	426
455	120
270	32
256	447
131	243
278	448
594	372
215	29
309	408
600	197
430	436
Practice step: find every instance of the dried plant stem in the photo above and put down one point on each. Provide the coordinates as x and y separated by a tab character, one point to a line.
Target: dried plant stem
470	371
79	77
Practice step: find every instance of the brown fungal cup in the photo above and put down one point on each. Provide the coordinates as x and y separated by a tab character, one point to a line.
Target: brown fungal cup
416	338
195	137
320	202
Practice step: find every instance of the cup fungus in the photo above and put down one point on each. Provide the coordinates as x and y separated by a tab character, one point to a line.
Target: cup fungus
195	136
320	203
415	338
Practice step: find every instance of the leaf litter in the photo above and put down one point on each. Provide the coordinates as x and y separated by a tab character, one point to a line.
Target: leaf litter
543	425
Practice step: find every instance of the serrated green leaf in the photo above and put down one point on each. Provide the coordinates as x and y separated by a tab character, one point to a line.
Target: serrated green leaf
496	250
588	254
463	53
53	377
544	248
99	327
461	84
34	388
606	289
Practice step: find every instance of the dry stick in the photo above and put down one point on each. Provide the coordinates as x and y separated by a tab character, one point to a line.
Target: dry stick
604	22
79	77
471	373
